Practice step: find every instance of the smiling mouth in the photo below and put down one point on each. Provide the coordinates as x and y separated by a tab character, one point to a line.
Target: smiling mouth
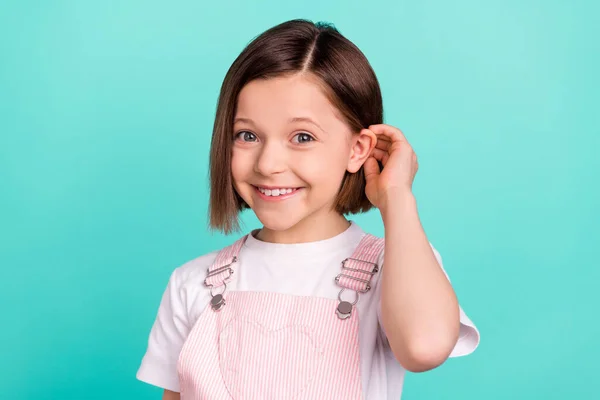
276	192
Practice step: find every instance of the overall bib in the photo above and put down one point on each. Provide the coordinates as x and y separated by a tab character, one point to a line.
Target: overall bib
263	345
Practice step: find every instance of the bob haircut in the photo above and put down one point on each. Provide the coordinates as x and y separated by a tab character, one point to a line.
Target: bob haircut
346	78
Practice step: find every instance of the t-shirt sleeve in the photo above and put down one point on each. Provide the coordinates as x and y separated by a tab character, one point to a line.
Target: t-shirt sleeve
169	331
468	338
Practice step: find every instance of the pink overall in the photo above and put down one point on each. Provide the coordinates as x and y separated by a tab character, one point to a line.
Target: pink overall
261	345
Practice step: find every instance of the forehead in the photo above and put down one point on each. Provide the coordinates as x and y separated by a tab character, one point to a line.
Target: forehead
282	98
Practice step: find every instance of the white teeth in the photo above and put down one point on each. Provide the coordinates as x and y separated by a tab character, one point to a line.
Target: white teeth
275	192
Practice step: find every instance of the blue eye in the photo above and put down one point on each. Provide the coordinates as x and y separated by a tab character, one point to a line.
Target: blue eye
303	138
246	136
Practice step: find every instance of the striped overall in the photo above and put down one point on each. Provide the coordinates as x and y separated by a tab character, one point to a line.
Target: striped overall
261	345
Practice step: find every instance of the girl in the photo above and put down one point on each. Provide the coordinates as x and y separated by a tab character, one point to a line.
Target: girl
309	306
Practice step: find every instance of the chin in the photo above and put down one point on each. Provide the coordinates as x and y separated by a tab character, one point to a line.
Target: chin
277	223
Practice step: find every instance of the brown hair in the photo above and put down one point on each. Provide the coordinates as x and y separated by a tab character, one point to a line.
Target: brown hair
297	46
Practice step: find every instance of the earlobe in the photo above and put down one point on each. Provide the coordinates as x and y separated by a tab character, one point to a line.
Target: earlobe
363	144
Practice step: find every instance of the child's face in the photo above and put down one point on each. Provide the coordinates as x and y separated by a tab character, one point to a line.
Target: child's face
289	138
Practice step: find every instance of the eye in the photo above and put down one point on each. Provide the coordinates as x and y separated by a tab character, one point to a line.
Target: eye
246	136
302	138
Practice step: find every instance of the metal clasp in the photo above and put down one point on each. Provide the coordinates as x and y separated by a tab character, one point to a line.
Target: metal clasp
217	271
370	274
344	308
217	301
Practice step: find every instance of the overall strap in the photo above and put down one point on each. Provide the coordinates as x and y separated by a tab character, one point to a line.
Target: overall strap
357	272
221	270
358	269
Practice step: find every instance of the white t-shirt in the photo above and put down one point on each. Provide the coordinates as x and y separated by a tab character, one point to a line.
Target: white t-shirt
303	269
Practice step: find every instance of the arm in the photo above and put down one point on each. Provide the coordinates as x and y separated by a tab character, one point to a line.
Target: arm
168	395
419	309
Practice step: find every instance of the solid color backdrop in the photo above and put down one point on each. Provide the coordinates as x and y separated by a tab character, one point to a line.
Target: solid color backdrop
106	111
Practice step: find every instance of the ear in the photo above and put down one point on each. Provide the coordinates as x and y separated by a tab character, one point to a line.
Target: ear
362	145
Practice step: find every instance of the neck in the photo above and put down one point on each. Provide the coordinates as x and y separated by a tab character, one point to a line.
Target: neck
307	230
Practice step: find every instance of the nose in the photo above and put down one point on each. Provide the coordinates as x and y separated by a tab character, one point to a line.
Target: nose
271	159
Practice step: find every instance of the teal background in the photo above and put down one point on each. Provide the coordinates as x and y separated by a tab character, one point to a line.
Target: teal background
106	111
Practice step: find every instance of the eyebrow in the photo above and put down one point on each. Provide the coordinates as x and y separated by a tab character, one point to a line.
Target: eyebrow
308	120
241	119
291	120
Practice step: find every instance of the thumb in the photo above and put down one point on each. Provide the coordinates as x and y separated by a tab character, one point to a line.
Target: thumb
371	168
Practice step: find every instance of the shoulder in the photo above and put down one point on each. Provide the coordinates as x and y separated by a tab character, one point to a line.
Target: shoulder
194	269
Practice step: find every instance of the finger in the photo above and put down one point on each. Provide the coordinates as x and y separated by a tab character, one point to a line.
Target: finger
383	138
388	131
381	155
383	143
371	168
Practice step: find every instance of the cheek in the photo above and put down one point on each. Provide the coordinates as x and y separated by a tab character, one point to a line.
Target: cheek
326	168
239	166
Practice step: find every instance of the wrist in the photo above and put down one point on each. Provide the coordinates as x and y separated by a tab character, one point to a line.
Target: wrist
398	201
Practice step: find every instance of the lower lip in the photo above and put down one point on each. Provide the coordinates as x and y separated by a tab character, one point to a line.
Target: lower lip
276	198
